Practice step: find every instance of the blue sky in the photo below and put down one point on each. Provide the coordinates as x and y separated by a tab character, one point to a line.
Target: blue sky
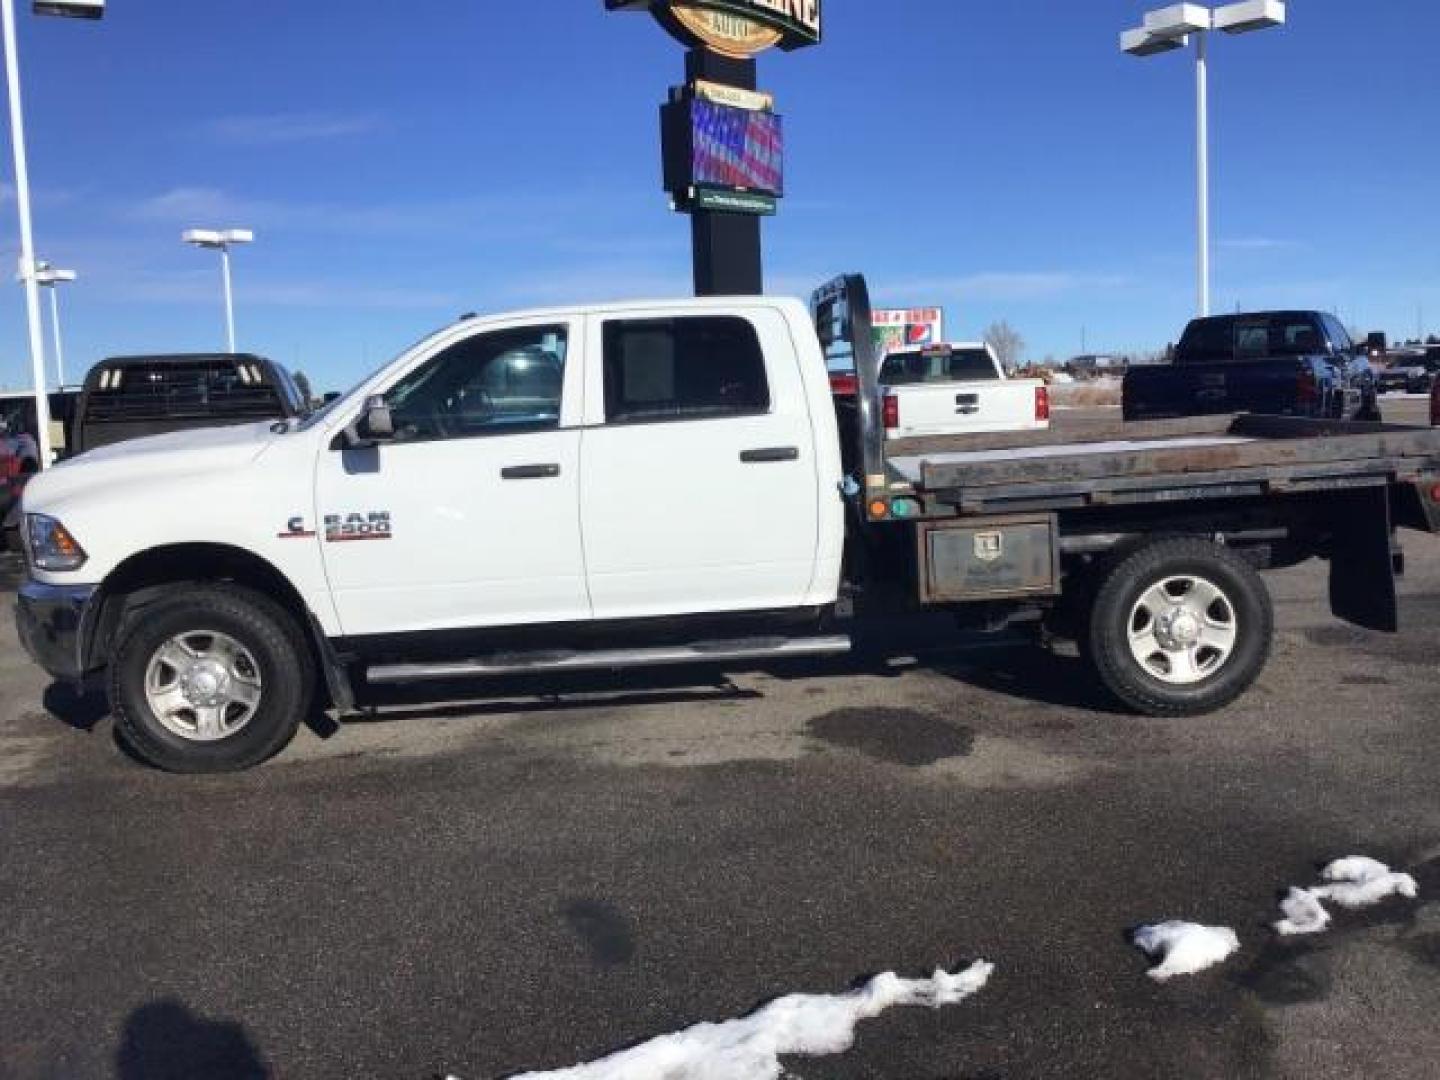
404	163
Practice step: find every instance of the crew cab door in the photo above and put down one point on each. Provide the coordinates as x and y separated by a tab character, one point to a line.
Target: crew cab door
469	516
699	484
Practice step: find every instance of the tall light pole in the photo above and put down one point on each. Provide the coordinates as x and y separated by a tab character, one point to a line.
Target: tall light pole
222	241
1171	28
51	278
83	9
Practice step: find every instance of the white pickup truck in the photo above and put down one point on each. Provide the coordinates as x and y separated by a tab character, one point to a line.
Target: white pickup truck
958	389
665	483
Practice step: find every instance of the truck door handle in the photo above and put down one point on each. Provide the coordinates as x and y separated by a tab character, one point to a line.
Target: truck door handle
530	472
770	454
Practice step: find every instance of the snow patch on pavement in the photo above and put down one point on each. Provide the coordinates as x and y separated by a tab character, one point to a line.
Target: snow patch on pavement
809	1025
1184	948
1360	882
1304	914
1356	882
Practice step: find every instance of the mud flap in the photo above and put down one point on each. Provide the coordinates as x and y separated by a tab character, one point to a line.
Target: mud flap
1362	565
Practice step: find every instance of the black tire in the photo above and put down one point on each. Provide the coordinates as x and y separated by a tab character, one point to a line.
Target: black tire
1106	640
1370	409
272	638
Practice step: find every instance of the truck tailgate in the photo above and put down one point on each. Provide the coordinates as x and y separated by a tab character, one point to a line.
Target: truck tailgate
963	408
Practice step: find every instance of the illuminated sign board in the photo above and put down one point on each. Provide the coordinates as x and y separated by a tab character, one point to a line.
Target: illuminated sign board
719	148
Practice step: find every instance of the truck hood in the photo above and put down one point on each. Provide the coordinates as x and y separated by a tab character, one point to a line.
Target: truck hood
143	462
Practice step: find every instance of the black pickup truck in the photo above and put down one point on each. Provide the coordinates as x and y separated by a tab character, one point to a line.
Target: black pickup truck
129	397
1274	363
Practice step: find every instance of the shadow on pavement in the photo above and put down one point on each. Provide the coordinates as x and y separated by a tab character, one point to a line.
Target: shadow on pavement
536	694
1007	664
1038	676
166	1041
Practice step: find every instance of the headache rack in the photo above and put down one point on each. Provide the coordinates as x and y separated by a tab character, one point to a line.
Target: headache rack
141	391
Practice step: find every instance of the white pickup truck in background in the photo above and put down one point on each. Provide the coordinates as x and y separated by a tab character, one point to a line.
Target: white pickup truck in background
958	389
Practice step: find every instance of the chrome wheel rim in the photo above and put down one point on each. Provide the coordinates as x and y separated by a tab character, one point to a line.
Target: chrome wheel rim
1183	629
202	685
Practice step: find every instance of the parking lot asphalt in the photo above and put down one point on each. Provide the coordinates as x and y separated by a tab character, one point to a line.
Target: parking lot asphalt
538	878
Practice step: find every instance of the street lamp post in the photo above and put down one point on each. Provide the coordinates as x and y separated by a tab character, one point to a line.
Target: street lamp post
222	241
85	9
52	278
1171	28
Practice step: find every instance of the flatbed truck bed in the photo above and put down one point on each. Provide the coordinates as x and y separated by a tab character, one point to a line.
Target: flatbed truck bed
1141	541
1218	457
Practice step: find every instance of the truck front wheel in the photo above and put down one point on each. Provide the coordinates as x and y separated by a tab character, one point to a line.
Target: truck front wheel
213	678
1180	627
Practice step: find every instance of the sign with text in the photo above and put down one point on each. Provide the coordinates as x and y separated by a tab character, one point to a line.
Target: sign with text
907	328
740	29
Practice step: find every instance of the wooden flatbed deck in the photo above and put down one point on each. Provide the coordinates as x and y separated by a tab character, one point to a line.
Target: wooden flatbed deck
1161	461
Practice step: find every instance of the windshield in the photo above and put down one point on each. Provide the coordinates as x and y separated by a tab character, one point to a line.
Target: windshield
958	365
310	419
332	406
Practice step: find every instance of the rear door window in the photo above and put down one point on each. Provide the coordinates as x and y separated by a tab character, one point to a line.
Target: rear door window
1297	337
690	368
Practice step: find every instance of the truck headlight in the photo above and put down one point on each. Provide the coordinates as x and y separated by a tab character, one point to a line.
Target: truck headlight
50	545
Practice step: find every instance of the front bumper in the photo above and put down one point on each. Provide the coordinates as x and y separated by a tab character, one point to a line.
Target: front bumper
52	621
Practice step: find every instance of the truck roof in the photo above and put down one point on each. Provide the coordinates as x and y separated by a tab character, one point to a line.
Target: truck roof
1278	313
679	305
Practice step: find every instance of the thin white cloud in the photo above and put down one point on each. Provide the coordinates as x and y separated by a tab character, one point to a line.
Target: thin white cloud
1257	243
189	205
1000	286
595	283
536	216
278	129
193	287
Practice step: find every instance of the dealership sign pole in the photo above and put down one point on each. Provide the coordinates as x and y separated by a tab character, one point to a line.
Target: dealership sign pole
723	142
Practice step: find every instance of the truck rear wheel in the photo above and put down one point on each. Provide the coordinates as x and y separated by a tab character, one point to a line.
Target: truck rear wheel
212	679
1180	627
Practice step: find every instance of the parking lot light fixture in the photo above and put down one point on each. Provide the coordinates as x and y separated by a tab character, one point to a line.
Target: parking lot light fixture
1140	42
1178	20
70	9
222	240
1169	28
51	278
93	9
1251	15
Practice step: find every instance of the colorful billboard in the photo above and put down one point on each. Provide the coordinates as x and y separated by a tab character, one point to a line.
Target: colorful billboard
901	328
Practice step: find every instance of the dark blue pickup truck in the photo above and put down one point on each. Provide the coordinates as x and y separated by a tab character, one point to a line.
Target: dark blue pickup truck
1274	363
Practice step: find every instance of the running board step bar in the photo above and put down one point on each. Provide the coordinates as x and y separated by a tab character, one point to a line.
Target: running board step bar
705	652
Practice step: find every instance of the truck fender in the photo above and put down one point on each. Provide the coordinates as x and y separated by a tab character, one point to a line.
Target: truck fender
149	575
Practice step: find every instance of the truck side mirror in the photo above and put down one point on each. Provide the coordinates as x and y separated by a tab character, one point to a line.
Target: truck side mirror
374	425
